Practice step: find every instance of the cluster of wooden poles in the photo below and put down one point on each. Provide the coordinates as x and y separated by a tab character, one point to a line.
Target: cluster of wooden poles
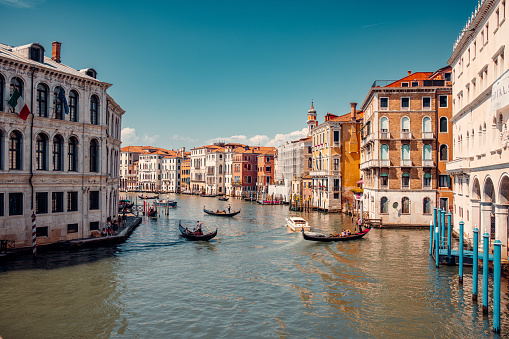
437	242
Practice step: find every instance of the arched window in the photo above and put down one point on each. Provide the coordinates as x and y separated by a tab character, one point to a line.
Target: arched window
444	156
58	146
426	124
384	125
72	154
18	84
384	205
2	84
405	152
94	156
94	110
426	206
405	124
58	106
426	152
220	169
73	106
41	153
384	152
443	125
15	143
42	100
405	205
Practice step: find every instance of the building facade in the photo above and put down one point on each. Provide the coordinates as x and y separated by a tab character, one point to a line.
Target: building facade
480	101
62	163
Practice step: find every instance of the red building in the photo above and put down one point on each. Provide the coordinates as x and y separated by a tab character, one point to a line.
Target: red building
265	167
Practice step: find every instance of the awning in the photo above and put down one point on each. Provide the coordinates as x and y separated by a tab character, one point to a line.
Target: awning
405	174
360	182
427	175
366	124
384	174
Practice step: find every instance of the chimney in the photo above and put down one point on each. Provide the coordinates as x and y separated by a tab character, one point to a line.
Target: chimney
409	72
56	51
352	112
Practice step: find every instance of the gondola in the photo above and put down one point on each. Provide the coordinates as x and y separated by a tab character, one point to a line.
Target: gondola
147	197
329	238
223	199
225	214
193	237
152	214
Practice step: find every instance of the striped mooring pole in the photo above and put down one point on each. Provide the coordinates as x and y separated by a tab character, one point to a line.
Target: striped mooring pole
34	237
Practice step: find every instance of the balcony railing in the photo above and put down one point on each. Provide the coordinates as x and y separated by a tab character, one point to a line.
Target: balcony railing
458	166
367	140
406	162
375	163
427	135
385	163
427	163
385	135
406	135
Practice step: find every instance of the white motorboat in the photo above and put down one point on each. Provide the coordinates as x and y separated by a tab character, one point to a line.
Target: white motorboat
296	224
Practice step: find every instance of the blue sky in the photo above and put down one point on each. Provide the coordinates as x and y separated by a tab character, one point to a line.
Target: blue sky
191	72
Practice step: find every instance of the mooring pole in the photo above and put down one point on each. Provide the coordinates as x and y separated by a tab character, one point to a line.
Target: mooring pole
496	285
475	264
443	228
449	237
439	224
485	264
437	240
431	226
460	252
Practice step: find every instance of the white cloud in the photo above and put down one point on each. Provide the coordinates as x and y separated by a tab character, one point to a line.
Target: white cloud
149	139
263	140
183	138
20	3
129	137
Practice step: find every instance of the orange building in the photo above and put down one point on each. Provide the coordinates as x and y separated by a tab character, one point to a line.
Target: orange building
265	168
185	175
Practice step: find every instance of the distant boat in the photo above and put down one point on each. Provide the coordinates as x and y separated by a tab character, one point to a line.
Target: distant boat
297	224
171	203
332	237
221	213
147	197
189	235
223	199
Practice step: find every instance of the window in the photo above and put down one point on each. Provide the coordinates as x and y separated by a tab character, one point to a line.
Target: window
444	180
427	180
426	206
447	76
384	180
72	228
58	107
384	152
57	202
2	84
94	225
444	204
404	84
405	152
443	125
94	200
384	104
18	84
58	145
444	156
405	124
415	83
72	154
72	201
15	150
15	203
384	205
94	110
336	136
405	205
426	125
405	180
268	169
94	157
405	104
335	164
1	204
443	101
42	100
35	54
384	125
426	152
41	231
73	106
41	202
426	103
40	152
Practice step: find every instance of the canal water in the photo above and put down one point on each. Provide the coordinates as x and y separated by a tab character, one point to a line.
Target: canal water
258	280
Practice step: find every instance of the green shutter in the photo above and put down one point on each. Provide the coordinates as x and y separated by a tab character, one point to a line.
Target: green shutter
427	176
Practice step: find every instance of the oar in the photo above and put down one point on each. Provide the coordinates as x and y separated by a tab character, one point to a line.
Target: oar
211	232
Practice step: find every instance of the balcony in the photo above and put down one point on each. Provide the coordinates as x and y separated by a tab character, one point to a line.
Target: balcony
375	163
367	140
406	163
427	163
384	162
406	135
318	173
428	135
458	166
385	135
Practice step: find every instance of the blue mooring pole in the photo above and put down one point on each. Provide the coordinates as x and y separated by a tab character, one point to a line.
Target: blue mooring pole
431	237
449	237
475	263
432	230
439	224
485	263
443	228
460	252
437	240
496	285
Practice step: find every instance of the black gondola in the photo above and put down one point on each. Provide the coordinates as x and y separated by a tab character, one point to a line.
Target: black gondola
147	197
329	238
223	199
221	213
193	237
152	214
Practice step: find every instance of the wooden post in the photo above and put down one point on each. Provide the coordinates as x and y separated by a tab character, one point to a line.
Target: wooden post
34	235
475	263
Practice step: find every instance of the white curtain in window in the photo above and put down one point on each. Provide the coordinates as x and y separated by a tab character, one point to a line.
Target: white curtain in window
384	124
384	152
405	124
405	152
427	152
426	124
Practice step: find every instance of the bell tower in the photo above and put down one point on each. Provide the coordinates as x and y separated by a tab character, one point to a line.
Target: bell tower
312	122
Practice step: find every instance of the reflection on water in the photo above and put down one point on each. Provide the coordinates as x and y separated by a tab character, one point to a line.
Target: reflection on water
257	280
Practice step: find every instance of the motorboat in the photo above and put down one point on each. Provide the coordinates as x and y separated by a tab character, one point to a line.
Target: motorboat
297	224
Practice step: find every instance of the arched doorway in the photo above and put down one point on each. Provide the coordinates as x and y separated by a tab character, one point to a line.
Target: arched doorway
488	207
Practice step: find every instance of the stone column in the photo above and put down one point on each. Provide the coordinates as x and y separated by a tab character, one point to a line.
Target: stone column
501	215
485	217
476	215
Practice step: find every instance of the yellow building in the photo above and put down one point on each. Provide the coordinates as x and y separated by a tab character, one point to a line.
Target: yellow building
336	157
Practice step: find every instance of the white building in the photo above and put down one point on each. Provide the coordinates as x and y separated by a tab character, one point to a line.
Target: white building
215	176
149	172
62	165
480	116
228	175
129	157
171	169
